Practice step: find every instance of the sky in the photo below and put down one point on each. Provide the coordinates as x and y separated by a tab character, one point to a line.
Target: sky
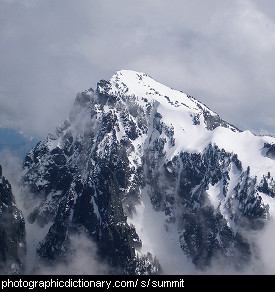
219	51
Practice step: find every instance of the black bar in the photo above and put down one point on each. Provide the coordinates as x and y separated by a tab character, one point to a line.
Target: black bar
115	282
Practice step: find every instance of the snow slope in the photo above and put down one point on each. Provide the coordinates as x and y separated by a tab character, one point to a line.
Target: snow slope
176	109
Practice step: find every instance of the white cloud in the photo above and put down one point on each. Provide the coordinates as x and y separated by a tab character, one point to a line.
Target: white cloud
265	241
218	51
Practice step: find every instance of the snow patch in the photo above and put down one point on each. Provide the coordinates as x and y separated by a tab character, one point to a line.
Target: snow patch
215	194
159	238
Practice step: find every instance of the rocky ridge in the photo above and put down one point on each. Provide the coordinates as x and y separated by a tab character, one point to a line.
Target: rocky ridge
133	141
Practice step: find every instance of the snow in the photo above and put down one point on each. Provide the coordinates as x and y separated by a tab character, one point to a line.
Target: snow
267	200
141	85
194	138
248	147
177	109
96	211
159	238
215	194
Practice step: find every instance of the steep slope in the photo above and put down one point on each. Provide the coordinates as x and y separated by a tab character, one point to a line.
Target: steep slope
12	231
135	148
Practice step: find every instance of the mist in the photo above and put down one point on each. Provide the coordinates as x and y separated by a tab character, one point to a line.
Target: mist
80	259
264	263
220	52
11	165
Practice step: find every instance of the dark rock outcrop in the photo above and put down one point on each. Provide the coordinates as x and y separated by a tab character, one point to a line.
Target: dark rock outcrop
12	231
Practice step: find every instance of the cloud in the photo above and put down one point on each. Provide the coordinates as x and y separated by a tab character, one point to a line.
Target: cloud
11	165
218	51
264	263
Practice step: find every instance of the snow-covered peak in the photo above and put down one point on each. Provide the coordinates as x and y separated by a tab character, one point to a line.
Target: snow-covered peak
141	85
133	146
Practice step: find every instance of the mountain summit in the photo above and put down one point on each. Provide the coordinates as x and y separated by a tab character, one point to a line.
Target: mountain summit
153	177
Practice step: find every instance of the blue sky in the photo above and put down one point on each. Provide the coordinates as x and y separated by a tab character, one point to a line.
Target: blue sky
15	142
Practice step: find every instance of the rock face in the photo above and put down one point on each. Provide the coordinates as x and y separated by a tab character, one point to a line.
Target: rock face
12	231
134	145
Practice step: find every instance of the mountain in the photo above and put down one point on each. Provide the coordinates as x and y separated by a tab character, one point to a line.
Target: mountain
12	231
150	175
